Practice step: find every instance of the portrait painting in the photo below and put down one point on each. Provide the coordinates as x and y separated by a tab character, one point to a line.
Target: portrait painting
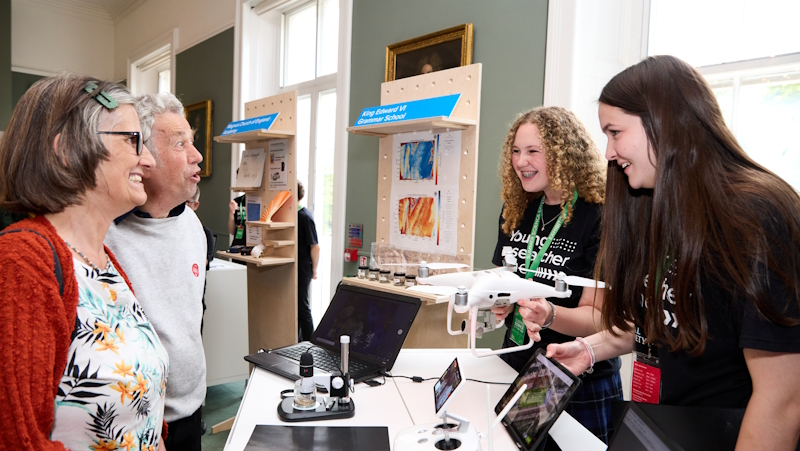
199	117
432	52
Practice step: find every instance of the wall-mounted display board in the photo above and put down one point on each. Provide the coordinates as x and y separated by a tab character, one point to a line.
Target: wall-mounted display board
270	125
427	172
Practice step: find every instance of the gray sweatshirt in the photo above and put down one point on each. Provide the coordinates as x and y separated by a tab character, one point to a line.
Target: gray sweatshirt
165	261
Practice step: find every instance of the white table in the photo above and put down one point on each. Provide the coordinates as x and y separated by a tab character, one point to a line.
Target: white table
398	404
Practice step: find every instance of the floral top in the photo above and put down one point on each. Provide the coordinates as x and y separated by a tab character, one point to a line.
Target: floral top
111	395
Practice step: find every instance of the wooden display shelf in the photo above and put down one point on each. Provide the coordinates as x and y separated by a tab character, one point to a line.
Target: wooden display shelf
271	225
245	190
427	298
253	136
259	262
278	243
415	125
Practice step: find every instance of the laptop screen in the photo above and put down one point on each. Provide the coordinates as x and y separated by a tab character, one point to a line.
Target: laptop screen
376	322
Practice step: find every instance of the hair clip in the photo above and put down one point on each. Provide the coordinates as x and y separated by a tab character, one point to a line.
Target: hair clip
102	97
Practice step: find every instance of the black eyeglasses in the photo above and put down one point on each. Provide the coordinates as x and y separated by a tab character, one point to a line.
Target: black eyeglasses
137	136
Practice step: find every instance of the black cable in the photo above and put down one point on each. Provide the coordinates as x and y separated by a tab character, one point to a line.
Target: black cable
341	373
422	379
490	383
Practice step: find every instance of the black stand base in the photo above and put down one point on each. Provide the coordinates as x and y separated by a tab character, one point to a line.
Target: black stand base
287	413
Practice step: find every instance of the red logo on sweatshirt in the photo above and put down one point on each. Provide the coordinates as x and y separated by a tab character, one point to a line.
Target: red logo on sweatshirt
195	270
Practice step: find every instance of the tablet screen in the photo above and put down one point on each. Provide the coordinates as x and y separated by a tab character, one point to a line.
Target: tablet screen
549	388
444	388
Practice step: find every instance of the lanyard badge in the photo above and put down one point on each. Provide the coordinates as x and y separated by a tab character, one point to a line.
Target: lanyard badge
646	377
518	328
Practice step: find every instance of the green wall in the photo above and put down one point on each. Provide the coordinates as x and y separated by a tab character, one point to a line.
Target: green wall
205	71
21	82
509	40
5	63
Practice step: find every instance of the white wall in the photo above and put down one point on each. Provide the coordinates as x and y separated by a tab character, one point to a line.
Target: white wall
48	38
588	42
196	20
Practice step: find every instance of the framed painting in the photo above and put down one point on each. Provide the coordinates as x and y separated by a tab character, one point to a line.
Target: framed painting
199	117
443	49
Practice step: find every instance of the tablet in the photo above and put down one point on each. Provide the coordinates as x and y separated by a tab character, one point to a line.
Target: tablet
446	387
550	387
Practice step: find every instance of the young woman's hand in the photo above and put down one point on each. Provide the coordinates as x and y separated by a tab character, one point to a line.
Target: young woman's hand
572	354
502	312
536	310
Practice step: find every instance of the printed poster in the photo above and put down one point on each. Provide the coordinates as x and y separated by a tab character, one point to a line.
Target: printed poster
278	170
425	168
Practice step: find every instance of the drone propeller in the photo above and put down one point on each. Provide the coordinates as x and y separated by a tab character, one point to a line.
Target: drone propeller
580	281
434	265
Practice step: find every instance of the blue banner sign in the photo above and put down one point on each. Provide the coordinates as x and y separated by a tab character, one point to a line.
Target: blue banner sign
248	125
406	111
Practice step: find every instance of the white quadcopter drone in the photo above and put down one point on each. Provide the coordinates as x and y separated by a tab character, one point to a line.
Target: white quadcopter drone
477	292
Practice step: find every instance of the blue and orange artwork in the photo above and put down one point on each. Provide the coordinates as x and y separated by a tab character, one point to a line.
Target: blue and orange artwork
417	216
418	159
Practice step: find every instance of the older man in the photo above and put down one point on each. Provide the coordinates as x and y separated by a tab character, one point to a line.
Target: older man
162	247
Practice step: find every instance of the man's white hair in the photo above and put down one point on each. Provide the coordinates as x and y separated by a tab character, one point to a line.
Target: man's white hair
149	106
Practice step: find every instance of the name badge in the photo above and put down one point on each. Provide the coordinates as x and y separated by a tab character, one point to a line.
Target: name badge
646	378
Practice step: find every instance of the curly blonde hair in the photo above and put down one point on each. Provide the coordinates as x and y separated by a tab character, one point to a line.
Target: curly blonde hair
573	161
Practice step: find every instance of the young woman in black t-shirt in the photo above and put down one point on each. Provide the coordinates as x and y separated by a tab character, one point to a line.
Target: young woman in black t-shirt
718	238
553	186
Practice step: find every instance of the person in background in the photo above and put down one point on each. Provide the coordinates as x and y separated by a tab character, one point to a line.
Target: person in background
307	260
194	204
163	243
701	251
236	220
553	187
83	367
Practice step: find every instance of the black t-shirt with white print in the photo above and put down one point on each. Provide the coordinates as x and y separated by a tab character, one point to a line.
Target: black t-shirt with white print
719	377
573	251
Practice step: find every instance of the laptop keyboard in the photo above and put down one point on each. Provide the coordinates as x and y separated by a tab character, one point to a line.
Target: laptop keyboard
322	359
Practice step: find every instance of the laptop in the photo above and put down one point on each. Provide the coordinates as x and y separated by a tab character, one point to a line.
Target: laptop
377	323
651	427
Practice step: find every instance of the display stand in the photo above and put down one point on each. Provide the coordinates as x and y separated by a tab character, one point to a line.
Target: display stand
429	329
272	278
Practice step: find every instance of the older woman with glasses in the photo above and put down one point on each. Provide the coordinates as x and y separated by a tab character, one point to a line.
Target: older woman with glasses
83	367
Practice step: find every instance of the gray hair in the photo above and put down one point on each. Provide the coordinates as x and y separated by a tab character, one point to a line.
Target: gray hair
148	106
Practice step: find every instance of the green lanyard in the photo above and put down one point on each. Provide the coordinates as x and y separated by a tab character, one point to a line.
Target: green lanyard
242	216
518	327
532	267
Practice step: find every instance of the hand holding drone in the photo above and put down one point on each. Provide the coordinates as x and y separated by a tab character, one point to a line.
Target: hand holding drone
477	292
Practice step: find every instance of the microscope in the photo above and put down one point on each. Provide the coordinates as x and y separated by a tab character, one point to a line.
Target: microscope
305	405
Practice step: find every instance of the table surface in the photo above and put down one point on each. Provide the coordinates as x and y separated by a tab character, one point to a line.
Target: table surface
398	404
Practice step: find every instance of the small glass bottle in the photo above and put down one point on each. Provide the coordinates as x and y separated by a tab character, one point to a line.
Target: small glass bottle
362	272
411	280
372	274
384	276
399	279
305	398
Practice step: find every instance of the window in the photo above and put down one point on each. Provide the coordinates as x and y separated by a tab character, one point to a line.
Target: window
749	52
310	62
164	81
310	41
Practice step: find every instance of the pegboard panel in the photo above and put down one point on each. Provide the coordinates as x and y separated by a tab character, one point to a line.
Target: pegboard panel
465	80
284	104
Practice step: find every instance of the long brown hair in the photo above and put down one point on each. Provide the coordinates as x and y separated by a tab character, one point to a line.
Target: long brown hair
573	161
714	214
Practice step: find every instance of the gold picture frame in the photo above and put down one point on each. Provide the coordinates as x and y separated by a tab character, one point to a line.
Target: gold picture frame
443	49
199	117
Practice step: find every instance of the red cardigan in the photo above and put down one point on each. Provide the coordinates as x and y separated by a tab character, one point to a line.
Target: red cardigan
36	326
